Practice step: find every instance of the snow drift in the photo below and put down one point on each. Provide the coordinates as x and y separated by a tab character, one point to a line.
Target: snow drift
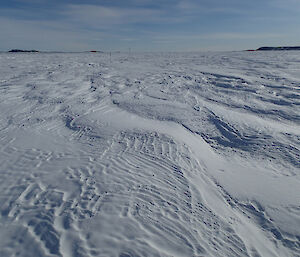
193	154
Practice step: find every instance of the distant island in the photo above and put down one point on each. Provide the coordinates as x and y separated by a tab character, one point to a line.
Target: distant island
276	48
22	51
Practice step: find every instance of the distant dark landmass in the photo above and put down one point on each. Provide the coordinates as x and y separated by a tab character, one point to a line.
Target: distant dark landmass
22	51
278	48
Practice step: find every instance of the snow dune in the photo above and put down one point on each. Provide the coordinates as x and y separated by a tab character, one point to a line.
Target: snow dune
193	154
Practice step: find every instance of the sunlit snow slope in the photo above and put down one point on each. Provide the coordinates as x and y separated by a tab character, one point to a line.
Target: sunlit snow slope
150	154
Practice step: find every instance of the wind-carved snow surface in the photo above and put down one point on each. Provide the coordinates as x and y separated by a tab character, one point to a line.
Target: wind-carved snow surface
150	154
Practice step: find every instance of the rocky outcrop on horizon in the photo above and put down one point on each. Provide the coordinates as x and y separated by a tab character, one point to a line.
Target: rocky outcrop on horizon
22	51
278	48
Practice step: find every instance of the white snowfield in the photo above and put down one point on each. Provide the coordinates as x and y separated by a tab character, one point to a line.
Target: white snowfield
192	154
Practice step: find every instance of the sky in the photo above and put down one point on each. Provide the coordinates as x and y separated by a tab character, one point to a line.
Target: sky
148	25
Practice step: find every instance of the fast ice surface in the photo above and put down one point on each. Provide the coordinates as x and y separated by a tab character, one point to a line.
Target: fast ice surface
193	154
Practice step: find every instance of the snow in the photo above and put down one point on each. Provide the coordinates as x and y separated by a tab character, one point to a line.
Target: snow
169	154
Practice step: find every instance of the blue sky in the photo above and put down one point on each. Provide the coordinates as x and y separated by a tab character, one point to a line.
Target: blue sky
145	25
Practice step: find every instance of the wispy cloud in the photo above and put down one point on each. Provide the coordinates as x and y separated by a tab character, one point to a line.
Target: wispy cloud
241	36
98	16
216	36
42	36
147	24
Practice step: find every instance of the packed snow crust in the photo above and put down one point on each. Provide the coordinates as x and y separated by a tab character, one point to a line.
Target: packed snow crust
192	154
